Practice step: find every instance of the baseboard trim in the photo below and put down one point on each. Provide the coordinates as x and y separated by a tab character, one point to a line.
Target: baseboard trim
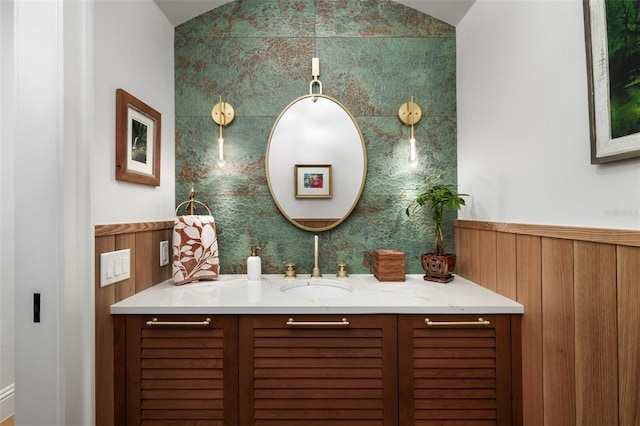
7	406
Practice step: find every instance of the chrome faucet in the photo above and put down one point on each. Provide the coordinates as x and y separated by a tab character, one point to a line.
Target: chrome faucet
316	270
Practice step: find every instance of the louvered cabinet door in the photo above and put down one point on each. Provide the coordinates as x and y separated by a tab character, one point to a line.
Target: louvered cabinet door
318	370
181	370
455	370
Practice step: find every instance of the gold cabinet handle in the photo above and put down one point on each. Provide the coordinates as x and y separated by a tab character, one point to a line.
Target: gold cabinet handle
480	321
155	322
342	323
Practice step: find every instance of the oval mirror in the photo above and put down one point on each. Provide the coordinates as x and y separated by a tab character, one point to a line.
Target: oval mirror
316	162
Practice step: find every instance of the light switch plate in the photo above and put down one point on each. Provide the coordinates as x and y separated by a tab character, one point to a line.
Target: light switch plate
164	253
115	266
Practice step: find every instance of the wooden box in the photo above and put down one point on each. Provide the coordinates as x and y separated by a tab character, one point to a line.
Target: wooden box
389	265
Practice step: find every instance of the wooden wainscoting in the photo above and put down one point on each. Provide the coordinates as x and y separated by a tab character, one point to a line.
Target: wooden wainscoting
144	241
579	288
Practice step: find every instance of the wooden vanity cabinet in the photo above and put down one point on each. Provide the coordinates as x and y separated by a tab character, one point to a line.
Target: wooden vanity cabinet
177	370
458	370
318	370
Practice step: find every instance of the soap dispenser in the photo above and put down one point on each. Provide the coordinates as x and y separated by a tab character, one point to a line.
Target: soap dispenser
254	265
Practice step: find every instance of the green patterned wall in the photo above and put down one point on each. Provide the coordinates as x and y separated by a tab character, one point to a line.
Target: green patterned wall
374	55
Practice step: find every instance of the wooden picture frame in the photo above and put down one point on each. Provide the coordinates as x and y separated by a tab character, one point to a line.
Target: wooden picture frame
137	140
612	57
313	181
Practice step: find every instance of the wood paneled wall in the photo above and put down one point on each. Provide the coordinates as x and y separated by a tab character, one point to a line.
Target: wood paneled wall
580	328
144	241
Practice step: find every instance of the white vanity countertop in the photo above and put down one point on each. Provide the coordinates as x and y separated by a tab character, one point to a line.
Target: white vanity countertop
232	294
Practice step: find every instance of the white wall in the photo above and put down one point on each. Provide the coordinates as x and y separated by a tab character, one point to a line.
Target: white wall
133	48
7	170
523	123
77	308
57	157
39	209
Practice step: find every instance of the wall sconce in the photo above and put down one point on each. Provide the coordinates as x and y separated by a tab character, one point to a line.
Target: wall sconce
410	113
223	114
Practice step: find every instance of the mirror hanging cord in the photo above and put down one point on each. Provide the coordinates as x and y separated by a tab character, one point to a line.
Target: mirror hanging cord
315	72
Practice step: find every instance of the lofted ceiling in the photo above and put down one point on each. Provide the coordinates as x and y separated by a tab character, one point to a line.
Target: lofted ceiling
449	11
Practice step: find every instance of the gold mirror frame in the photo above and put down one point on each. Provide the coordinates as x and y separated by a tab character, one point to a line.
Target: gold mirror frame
277	169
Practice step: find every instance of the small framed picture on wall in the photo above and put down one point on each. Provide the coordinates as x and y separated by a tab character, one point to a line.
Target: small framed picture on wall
137	140
313	181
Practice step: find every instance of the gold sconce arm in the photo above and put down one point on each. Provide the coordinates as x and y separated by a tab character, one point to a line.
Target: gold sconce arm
410	112
223	113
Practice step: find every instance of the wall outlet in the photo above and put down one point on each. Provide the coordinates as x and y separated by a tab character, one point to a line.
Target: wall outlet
115	266
164	253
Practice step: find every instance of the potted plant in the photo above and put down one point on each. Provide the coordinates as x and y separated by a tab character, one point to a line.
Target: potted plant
438	265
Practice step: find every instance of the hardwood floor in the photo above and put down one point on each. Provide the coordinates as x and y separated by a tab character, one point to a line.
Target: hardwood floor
8	422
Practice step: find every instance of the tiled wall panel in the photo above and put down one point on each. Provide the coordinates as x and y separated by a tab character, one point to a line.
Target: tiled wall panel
257	54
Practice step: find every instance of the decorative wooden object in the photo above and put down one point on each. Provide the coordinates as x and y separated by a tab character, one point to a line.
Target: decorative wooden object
438	268
389	265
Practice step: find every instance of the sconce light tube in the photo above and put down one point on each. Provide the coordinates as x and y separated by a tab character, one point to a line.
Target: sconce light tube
221	159
223	114
413	155
410	113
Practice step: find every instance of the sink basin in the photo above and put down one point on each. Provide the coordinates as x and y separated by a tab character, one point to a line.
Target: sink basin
317	288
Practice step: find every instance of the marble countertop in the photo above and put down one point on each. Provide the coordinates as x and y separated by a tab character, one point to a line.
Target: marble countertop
233	294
